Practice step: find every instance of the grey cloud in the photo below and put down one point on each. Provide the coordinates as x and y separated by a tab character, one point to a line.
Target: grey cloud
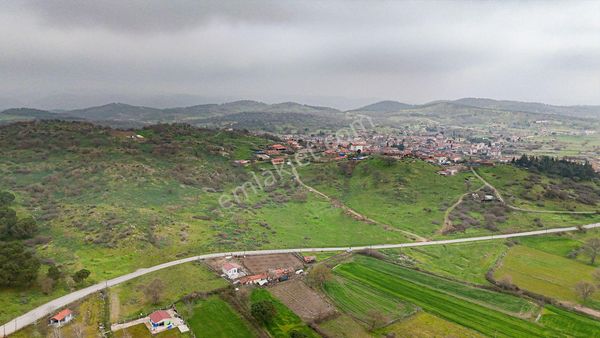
147	16
145	52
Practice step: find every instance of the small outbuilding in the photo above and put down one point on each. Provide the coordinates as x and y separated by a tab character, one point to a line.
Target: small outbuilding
62	318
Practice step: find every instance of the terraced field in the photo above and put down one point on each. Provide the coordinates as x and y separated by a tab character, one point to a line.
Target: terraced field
469	309
358	301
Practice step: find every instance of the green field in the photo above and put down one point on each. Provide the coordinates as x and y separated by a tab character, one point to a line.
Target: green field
358	301
494	300
566	145
572	324
546	274
344	326
425	325
213	317
393	281
141	331
466	262
285	321
406	194
128	300
563	245
88	313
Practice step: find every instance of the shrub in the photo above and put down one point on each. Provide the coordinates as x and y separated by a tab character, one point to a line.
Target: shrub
264	311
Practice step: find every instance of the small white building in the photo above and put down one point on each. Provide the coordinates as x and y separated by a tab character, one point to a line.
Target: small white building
232	270
62	318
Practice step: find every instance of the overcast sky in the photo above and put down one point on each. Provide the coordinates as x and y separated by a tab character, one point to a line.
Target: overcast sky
66	54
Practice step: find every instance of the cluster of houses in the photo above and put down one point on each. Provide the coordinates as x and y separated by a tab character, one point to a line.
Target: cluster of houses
435	148
274	153
237	274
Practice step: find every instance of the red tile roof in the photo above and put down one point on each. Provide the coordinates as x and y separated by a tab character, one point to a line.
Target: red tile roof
61	315
159	315
228	266
250	279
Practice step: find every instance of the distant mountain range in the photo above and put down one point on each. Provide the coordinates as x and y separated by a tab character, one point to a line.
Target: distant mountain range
294	116
512	106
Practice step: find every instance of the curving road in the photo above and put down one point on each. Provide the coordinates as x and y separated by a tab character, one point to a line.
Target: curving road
50	307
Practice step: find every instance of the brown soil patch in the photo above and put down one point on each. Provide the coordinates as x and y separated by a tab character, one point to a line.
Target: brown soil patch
264	263
304	301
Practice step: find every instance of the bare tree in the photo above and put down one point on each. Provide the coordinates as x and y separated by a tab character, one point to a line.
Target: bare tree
318	275
592	249
154	291
585	290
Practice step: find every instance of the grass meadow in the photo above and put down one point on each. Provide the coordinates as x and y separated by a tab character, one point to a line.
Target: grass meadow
129	300
547	274
213	317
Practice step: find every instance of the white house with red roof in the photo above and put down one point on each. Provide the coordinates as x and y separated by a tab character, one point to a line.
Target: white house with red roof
232	270
62	318
160	318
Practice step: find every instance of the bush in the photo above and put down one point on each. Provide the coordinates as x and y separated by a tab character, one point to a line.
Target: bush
264	311
6	198
18	266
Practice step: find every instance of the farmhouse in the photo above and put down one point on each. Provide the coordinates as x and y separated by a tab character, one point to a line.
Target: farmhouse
62	318
232	270
278	161
260	279
163	320
278	147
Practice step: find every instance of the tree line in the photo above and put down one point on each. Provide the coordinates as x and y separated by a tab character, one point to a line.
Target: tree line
19	265
555	166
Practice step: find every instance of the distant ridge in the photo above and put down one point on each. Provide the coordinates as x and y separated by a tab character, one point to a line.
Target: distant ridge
583	111
232	113
385	107
30	113
532	107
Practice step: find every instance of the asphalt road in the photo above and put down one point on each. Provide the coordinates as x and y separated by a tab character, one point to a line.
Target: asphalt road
44	310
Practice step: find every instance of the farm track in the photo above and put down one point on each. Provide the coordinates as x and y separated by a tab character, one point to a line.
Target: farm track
337	203
48	308
501	199
447	223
